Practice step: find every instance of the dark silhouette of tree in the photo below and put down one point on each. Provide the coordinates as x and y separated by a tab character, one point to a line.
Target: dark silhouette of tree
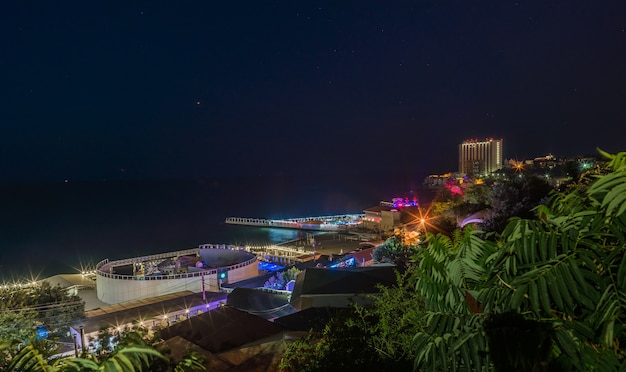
515	198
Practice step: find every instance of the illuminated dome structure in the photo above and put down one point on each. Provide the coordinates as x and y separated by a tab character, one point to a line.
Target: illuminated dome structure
204	268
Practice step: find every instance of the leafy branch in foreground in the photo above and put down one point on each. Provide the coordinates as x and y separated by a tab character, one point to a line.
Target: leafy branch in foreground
135	351
28	358
368	338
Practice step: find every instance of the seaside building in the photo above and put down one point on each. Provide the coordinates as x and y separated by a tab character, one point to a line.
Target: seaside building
479	158
197	270
387	217
381	218
436	181
340	288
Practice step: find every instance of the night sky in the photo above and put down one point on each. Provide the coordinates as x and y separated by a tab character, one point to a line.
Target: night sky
180	89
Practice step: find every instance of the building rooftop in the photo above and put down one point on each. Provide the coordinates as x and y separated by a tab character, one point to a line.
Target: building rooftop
266	304
149	309
222	329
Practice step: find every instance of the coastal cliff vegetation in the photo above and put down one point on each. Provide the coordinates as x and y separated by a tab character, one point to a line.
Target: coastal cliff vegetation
546	293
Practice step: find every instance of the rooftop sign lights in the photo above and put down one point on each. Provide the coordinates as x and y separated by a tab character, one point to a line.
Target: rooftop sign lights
475	140
399	202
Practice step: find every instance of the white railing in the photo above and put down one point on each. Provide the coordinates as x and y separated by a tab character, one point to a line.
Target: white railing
102	266
328	223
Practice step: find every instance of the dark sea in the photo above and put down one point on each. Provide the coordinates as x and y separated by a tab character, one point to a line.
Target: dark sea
57	228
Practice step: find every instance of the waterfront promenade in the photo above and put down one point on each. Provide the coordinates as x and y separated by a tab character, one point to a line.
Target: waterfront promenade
331	243
319	223
318	244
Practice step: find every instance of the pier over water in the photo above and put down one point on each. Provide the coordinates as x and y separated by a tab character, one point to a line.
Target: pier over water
320	223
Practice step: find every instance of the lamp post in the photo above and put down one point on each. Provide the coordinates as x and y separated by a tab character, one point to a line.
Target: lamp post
75	346
82	338
203	292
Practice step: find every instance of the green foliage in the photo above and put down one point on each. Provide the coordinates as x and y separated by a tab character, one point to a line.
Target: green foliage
450	275
477	194
554	286
29	358
393	319
192	361
371	338
23	308
109	342
130	358
394	251
477	197
341	345
18	324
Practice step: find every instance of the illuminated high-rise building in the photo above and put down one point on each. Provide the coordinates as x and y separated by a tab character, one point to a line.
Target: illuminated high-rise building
480	158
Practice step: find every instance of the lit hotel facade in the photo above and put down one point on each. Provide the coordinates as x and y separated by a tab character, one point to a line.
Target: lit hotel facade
480	158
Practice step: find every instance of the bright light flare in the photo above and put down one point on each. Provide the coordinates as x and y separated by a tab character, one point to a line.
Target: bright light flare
421	220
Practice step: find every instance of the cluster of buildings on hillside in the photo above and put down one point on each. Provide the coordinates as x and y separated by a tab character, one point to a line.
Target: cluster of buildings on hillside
482	158
479	159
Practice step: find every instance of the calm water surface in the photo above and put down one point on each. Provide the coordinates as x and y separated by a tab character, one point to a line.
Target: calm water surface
52	228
